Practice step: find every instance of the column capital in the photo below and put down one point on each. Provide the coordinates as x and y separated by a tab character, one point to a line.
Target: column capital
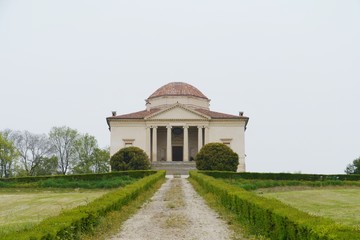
154	127
186	126
169	126
200	127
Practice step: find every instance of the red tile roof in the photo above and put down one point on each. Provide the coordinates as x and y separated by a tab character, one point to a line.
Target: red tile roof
217	115
136	115
178	89
145	113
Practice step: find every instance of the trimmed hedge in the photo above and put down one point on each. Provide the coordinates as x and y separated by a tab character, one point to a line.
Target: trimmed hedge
90	177
271	217
283	176
71	223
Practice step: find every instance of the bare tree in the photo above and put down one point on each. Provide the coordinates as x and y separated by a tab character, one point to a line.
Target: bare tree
63	141
33	148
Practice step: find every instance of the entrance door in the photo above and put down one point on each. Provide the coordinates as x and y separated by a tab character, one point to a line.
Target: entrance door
177	153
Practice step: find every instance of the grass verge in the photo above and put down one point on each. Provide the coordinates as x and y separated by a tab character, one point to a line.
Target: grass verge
23	209
240	231
341	205
111	223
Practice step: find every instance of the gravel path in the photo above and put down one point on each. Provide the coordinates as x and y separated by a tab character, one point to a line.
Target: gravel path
175	212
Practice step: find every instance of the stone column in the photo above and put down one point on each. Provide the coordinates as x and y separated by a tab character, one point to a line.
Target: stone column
200	137
168	144
207	135
154	144
148	141
186	144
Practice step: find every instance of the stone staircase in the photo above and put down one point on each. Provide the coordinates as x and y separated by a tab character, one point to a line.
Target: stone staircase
174	168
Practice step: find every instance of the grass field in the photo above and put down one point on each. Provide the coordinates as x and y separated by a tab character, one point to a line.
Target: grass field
23	208
339	204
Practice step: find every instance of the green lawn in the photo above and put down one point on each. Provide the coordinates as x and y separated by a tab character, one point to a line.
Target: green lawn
23	208
341	205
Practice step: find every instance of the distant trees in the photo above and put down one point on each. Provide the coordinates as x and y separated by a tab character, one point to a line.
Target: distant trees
32	149
8	153
63	140
91	159
354	167
62	151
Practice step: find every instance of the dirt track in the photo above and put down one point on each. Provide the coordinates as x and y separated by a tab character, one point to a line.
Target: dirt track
175	212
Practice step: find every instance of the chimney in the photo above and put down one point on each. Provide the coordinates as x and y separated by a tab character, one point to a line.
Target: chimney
113	113
148	105
241	114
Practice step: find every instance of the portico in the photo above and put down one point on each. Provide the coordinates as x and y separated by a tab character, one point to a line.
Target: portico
167	140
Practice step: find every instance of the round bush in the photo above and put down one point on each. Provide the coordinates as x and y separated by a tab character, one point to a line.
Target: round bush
130	158
217	156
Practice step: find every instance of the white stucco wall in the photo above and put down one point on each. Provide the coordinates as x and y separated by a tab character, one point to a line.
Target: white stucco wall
192	102
193	142
162	142
127	130
230	130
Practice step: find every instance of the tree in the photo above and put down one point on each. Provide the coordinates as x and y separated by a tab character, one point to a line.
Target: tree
101	160
217	156
47	166
85	146
32	148
129	158
8	154
354	167
98	162
63	140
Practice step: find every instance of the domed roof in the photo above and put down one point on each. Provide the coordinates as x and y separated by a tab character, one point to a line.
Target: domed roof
178	89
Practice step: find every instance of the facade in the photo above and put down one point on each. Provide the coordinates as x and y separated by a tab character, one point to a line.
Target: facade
176	123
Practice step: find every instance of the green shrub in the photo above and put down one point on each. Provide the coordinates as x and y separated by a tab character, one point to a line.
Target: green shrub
217	156
130	158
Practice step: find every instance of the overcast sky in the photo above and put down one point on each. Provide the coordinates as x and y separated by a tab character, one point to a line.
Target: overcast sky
293	67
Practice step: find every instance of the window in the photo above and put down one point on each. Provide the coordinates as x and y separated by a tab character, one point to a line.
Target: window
177	131
226	141
128	142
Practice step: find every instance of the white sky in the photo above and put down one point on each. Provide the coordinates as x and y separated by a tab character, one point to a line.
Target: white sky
293	67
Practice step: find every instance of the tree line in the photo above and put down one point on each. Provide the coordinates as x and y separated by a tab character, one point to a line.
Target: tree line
354	167
62	151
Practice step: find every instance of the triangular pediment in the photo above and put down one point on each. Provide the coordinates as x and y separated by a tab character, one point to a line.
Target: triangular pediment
177	111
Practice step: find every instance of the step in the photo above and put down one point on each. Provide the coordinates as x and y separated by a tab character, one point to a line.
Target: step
174	168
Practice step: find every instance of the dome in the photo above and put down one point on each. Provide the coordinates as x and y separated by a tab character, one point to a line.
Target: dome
178	89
